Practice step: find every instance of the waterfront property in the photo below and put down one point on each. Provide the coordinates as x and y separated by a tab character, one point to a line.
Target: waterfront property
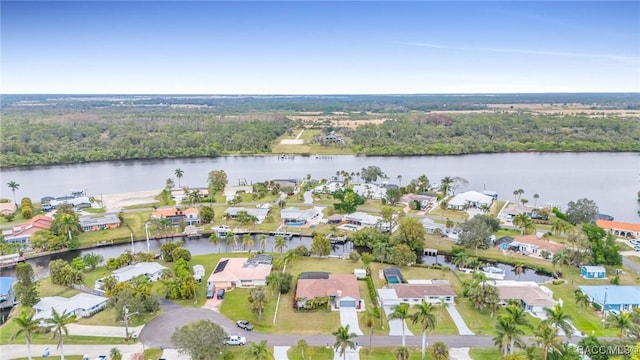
425	201
370	191
431	291
470	199
81	305
529	245
360	220
328	188
241	272
621	298
341	289
99	222
152	270
7	296
293	216
432	227
533	297
593	272
392	275
190	216
20	234
620	229
259	213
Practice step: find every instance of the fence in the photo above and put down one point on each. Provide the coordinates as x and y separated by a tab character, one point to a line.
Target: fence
88	290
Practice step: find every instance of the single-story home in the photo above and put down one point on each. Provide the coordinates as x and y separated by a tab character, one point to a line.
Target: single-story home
82	305
330	138
530	245
472	199
77	202
370	191
20	234
431	226
7	296
95	223
342	289
492	193
533	297
8	208
593	272
425	201
151	270
611	297
334	219
432	292
362	219
259	213
190	216
620	229
328	188
293	215
241	272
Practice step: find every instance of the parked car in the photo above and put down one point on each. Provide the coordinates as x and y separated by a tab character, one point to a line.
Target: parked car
614	312
210	290
244	324
636	248
235	340
634	242
220	295
102	357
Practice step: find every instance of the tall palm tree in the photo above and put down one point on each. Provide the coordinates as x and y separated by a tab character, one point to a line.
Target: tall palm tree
25	325
258	351
179	174
215	240
508	335
303	346
344	340
547	338
247	241
115	354
621	321
460	260
560	319
424	316
262	240
370	318
535	198
439	351
13	186
518	314
60	322
582	299
523	221
559	226
560	258
230	238
258	300
402	353
445	185
399	177
280	243
400	312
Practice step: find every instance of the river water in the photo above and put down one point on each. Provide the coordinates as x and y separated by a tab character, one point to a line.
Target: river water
612	180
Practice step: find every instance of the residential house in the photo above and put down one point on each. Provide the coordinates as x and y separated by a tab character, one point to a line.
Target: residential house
533	297
328	188
7	296
241	272
370	191
295	216
7	208
469	199
611	297
334	219
360	219
260	213
20	234
331	138
620	229
77	202
593	272
431	291
152	270
100	222
190	216
342	289
292	183
81	305
432	227
424	201
530	245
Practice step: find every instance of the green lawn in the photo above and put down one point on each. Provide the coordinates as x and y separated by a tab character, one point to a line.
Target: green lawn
107	317
236	307
46	288
133	223
314	352
484	353
67	357
449	214
387	353
93	210
152	354
635	259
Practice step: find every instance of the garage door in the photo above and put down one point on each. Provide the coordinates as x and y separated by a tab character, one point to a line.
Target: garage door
348	303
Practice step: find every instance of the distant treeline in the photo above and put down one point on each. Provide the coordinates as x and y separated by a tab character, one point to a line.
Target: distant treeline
496	132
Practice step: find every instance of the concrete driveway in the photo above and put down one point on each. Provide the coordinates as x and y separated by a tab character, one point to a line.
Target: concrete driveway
349	354
280	352
395	325
349	316
463	329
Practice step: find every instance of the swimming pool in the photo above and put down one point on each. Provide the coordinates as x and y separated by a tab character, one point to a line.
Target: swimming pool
392	279
298	223
349	226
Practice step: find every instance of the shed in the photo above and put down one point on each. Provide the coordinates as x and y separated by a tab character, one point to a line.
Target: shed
360	273
593	272
198	272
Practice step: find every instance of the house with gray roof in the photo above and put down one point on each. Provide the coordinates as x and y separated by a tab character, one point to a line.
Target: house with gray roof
101	222
81	305
152	270
297	216
259	213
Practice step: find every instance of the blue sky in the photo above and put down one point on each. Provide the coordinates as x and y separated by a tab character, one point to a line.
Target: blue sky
319	47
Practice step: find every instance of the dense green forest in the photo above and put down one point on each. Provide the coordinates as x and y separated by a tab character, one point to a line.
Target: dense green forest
496	132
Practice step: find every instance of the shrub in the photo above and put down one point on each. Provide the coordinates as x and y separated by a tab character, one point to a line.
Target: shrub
301	250
354	255
372	290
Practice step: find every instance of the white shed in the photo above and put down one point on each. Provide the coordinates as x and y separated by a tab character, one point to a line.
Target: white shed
360	273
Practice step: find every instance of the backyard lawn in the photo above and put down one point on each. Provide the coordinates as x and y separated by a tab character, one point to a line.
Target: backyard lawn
314	352
484	353
236	306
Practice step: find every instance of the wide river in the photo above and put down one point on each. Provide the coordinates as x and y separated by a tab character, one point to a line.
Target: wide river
610	179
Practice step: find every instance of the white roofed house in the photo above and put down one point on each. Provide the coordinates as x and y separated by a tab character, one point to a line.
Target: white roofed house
370	191
81	305
471	199
152	270
432	227
361	219
533	297
259	213
297	216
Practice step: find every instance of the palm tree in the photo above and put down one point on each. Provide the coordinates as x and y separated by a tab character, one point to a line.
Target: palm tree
13	186
524	222
560	258
25	325
582	299
370	320
231	239
460	260
303	346
560	319
247	241
344	340
508	334
621	321
424	316
445	185
115	354
559	226
280	243
439	351
402	353
399	177
518	314
262	240
258	351
60	322
179	174
518	269
215	240
258	300
547	338
535	198
400	312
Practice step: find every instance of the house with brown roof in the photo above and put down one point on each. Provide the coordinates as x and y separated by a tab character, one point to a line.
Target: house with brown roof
433	291
241	272
342	290
533	297
191	216
620	229
20	234
530	245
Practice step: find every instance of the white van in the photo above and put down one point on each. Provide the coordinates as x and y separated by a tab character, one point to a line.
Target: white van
235	340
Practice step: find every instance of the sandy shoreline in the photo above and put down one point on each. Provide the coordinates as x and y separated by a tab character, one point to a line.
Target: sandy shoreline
116	202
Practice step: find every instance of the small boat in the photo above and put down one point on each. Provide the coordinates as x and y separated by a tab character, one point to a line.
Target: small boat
493	272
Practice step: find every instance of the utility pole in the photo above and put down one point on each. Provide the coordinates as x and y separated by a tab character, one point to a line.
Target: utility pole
604	307
126	320
146	230
132	250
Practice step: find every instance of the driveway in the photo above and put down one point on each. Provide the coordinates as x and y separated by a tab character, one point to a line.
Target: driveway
349	316
395	325
463	329
459	353
280	352
349	354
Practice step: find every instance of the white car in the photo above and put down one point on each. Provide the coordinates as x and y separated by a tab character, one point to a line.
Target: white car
235	340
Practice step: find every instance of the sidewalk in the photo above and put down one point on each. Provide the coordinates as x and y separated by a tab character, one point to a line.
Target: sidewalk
463	329
102	331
